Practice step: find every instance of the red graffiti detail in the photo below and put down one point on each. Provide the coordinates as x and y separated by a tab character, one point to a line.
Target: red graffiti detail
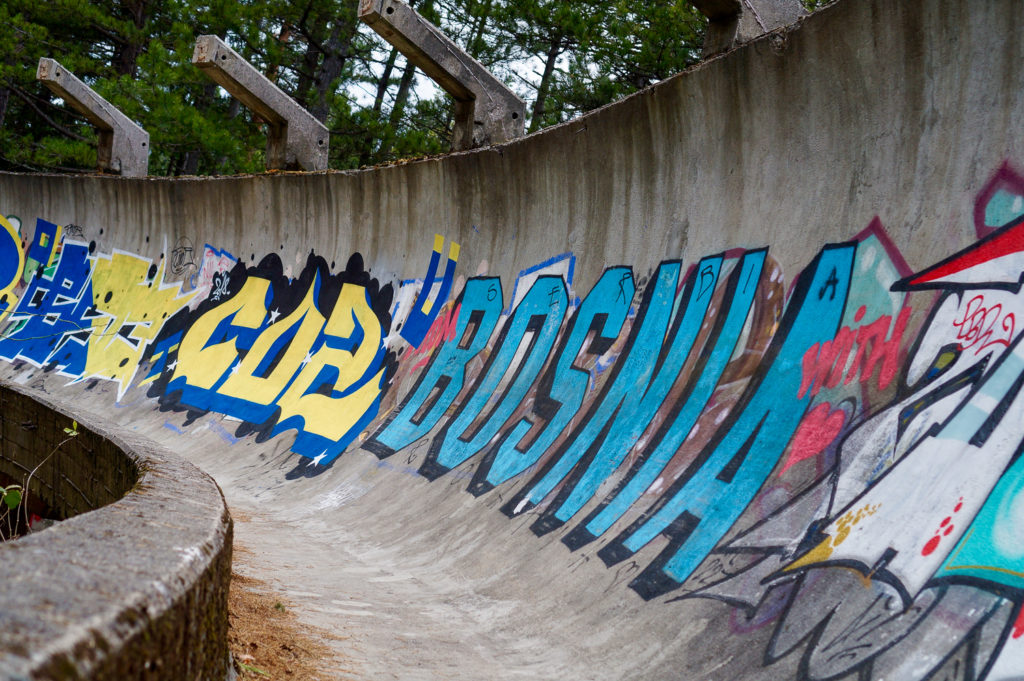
947	523
975	329
824	363
1018	626
997	245
442	330
817	431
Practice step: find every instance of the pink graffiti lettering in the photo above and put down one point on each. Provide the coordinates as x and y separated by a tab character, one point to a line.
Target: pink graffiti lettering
820	427
825	363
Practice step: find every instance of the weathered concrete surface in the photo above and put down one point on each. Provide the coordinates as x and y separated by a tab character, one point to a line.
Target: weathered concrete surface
133	587
486	110
734	22
295	139
123	146
721	382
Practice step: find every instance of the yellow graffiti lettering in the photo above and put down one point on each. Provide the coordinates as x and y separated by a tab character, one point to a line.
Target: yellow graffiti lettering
331	417
823	551
202	366
246	384
130	308
11	252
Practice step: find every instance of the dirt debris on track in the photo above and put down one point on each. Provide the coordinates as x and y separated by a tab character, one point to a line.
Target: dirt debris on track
266	640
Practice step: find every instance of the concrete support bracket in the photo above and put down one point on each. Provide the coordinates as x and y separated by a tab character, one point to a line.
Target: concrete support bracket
486	110
123	145
734	22
295	139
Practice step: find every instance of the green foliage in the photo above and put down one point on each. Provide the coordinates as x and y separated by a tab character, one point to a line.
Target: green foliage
563	56
11	496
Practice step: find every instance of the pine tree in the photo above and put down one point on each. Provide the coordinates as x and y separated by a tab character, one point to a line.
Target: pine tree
563	56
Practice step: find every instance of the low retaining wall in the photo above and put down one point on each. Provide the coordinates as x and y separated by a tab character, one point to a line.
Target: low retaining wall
133	587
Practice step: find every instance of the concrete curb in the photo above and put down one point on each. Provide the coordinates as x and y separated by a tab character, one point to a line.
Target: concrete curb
134	589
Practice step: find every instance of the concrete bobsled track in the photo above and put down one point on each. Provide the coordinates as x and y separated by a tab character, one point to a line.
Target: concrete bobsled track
721	381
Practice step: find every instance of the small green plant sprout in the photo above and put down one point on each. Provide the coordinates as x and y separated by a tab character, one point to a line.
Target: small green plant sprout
252	668
10	497
71	433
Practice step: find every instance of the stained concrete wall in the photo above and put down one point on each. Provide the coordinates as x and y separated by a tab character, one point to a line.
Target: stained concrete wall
720	381
70	471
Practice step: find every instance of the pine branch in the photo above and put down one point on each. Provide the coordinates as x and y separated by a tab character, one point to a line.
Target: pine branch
23	96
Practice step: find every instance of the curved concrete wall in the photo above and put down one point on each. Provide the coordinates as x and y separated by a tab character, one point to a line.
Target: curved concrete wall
70	471
134	585
730	370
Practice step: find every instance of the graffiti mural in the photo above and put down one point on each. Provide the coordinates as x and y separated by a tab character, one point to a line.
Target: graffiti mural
432	295
922	498
279	354
895	393
835	453
12	263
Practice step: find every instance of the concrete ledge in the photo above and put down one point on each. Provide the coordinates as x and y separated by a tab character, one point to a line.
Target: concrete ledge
123	145
734	22
486	110
295	139
136	589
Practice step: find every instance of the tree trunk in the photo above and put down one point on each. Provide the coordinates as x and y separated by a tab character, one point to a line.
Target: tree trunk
336	51
190	162
310	60
402	96
385	81
283	36
476	41
545	84
5	96
126	55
